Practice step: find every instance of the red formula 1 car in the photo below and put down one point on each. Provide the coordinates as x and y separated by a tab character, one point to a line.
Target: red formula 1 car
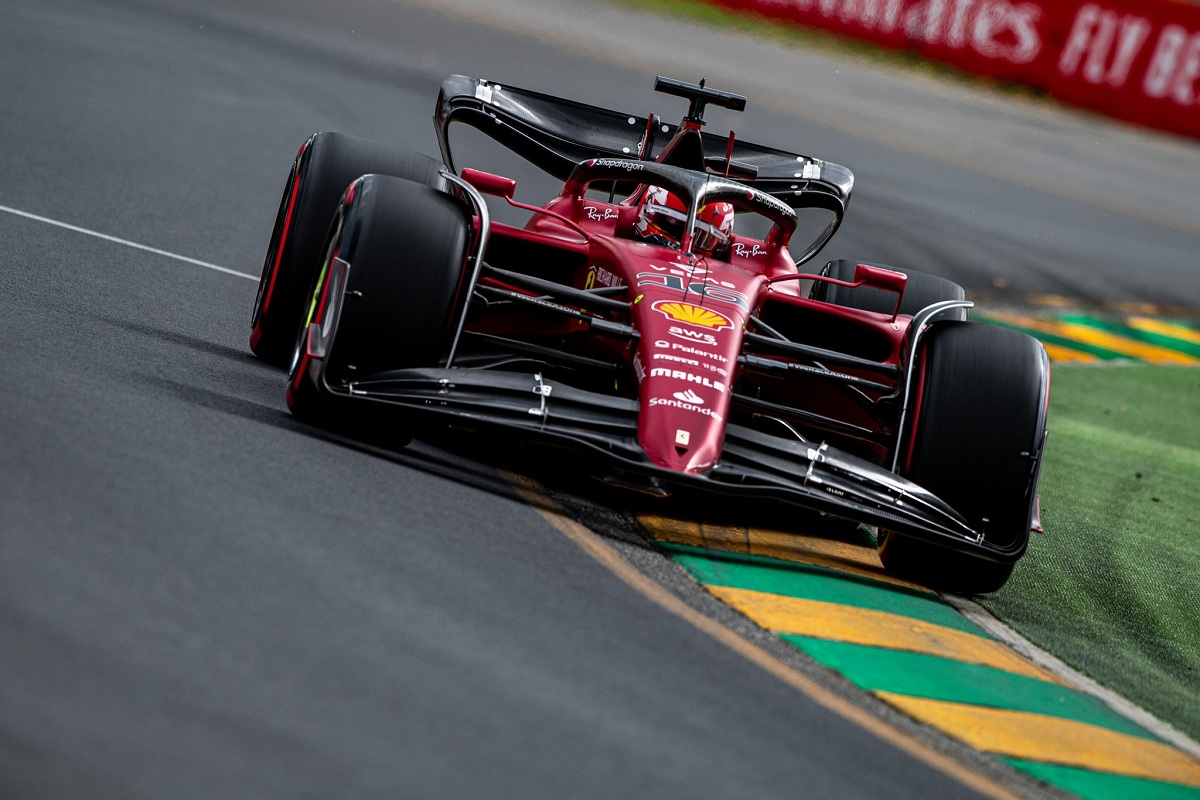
653	314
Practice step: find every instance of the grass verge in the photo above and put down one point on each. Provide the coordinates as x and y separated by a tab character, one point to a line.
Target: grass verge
1113	587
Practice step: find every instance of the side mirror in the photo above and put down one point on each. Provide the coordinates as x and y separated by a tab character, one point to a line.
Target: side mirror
886	279
880	278
491	184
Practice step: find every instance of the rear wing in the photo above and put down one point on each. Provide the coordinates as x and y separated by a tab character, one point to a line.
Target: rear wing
555	134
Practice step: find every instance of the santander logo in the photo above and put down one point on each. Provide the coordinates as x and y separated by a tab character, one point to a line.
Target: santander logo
689	396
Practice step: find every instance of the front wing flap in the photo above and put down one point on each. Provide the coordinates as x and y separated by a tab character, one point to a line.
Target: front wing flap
753	464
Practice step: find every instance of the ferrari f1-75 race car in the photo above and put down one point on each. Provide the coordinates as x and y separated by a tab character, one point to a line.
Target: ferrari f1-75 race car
655	315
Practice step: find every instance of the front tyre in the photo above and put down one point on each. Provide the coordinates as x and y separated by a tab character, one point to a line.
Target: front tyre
975	441
326	164
406	245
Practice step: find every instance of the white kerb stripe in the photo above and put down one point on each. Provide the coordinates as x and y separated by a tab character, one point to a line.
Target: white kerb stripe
128	243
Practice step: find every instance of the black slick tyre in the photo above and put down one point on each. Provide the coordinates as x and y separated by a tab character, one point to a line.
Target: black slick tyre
974	439
406	244
923	290
324	167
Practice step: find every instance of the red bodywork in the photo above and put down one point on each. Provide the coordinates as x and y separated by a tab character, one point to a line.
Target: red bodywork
691	312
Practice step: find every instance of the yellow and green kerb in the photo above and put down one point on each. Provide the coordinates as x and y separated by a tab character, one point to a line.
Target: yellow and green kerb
904	644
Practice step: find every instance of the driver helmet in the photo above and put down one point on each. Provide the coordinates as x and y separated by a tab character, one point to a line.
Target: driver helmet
662	216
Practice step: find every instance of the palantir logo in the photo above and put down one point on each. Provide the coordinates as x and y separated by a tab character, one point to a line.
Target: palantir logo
689	397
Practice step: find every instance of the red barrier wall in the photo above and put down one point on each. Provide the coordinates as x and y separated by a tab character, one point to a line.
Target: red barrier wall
1137	60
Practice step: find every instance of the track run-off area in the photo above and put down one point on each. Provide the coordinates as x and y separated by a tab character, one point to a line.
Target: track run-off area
205	598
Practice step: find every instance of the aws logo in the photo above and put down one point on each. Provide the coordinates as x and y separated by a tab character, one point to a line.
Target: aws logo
692	315
695	337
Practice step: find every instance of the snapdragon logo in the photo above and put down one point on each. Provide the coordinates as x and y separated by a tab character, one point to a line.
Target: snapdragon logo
628	166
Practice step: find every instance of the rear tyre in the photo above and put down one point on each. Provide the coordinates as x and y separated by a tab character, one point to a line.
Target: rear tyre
974	441
325	166
406	244
923	290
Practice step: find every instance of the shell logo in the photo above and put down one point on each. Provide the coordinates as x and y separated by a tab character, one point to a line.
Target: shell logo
692	315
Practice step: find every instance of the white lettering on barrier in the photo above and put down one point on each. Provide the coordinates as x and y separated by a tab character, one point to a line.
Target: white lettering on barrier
1094	32
993	28
1162	63
1149	52
999	20
1175	66
1133	33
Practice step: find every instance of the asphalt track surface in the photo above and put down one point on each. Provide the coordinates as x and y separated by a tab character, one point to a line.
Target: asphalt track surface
200	597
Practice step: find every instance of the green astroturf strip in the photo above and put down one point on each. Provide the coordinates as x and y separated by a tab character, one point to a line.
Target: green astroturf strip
815	583
1062	341
1101	785
1113	326
1113	587
937	678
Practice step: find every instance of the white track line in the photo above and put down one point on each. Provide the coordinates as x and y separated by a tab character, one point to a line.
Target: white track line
128	243
984	619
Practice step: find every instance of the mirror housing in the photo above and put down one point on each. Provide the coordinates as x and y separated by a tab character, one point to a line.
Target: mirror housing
880	278
887	279
487	183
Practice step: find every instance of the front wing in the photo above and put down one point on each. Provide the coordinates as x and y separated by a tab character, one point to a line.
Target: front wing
753	464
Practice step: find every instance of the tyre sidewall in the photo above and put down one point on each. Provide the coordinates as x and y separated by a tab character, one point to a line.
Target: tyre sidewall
326	165
406	244
974	441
